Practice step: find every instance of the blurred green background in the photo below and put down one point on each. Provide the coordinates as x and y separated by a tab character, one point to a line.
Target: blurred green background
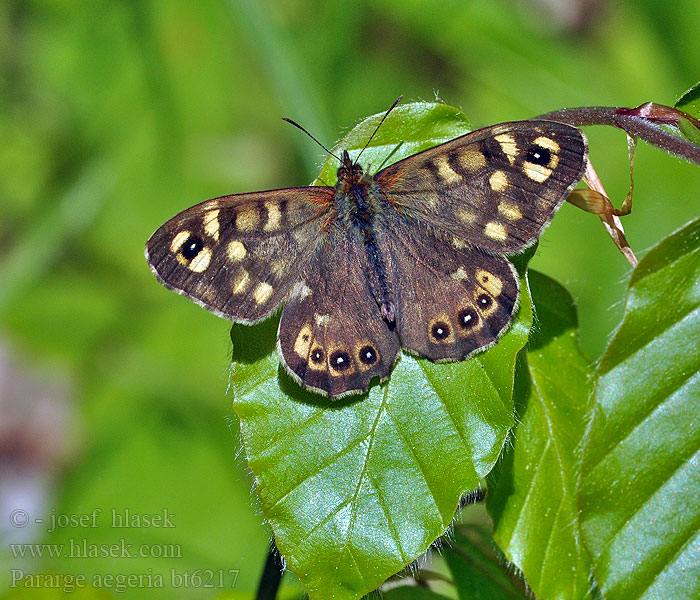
115	115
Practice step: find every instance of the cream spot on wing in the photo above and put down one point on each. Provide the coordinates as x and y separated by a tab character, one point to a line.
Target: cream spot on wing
303	342
180	238
508	145
498	181
300	290
279	267
497	129
548	143
200	262
236	250
495	231
544	203
262	293
211	224
466	216
490	282
321	320
300	234
459	244
446	172
247	219
459	275
509	210
536	172
472	160
431	199
241	282
274	216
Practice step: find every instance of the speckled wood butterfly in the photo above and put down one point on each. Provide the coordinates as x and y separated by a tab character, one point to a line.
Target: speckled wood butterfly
413	257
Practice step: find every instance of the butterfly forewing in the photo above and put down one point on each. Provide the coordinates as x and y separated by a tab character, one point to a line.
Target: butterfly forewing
332	337
495	188
239	256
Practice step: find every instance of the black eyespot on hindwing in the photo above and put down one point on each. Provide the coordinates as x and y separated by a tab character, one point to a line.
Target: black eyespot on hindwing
340	360
485	301
468	318
368	355
440	330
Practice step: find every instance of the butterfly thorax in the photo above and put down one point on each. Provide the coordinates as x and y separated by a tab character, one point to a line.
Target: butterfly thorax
356	196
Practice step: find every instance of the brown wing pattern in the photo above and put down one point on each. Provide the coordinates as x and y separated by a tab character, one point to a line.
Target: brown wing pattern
495	188
450	302
239	256
332	338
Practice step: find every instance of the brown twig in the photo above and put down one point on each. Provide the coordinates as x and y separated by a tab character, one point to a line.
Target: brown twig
635	125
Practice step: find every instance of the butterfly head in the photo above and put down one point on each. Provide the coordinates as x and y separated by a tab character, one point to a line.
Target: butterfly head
349	171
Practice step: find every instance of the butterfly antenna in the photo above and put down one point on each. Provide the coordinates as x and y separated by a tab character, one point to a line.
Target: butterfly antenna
386	114
311	136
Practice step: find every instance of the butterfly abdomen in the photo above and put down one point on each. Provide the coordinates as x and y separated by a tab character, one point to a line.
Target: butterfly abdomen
376	270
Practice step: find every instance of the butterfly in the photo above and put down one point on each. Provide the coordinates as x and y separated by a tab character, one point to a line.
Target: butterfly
413	257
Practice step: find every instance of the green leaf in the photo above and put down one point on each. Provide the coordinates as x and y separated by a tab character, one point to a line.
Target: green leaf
358	488
408	129
689	103
689	130
532	497
411	592
640	488
478	571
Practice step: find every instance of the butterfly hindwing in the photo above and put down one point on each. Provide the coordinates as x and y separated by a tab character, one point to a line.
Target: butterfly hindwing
451	302
238	256
495	188
332	338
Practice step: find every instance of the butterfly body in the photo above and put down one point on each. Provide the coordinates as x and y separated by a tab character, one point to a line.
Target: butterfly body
360	208
413	257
